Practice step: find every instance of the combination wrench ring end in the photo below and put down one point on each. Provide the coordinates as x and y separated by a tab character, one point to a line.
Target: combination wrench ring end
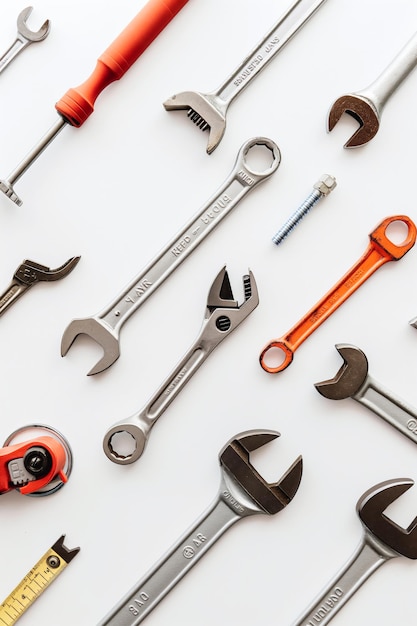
380	250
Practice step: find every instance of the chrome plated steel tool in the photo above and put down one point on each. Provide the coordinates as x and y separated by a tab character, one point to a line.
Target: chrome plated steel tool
24	37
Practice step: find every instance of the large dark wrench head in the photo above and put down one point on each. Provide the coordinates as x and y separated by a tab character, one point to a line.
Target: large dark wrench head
362	111
273	497
371	507
107	338
350	377
28	34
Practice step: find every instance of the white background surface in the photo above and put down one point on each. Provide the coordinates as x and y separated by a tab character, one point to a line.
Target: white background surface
115	191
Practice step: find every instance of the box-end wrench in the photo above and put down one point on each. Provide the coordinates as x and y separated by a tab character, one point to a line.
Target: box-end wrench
379	251
353	381
24	37
105	326
366	106
243	492
382	540
208	110
223	314
77	104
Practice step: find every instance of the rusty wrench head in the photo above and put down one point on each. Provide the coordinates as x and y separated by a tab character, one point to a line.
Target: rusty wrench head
371	507
268	497
350	377
28	34
363	111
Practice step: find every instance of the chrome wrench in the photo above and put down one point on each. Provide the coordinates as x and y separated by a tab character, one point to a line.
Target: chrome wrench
353	381
382	540
222	316
366	106
208	110
105	326
24	37
243	492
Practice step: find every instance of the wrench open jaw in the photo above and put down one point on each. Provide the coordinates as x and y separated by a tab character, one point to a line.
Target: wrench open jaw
350	377
363	111
269	497
101	333
207	111
31	35
371	507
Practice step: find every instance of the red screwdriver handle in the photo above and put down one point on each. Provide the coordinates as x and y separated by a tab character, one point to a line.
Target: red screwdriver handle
78	103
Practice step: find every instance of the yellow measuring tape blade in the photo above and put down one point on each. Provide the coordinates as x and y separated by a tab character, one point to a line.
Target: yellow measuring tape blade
35	582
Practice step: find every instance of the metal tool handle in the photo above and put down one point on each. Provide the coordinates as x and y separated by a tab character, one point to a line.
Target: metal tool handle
11	294
379	251
78	104
19	44
139	425
282	32
370	555
241	181
388	406
149	591
390	79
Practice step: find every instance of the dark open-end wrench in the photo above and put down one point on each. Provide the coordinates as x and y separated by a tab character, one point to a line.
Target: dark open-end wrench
353	381
243	492
366	106
382	540
24	37
105	327
380	250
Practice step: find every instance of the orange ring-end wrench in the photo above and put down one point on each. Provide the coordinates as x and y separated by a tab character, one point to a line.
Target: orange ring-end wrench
380	250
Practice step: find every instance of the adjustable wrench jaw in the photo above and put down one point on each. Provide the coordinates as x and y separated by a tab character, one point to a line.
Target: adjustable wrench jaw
206	111
243	488
350	377
363	111
371	507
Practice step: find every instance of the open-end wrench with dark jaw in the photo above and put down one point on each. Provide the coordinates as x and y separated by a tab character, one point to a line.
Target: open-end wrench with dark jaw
382	540
24	37
366	106
353	381
104	327
223	314
243	492
208	110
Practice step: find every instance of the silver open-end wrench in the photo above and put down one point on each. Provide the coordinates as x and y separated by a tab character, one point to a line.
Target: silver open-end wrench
105	326
24	37
243	492
208	110
382	540
353	381
222	316
366	106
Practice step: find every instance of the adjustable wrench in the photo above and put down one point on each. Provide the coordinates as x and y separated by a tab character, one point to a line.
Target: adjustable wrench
382	540
353	381
24	37
242	492
379	251
223	315
28	274
208	110
366	106
105	326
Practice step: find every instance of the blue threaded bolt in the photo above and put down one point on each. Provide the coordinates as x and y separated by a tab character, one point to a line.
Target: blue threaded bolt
322	188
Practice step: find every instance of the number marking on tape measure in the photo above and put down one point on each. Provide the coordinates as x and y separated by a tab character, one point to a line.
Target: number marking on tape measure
36	581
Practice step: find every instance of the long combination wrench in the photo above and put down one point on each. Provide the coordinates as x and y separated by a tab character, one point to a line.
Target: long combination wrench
353	381
105	326
222	316
366	106
77	104
382	540
243	492
208	110
379	251
24	38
